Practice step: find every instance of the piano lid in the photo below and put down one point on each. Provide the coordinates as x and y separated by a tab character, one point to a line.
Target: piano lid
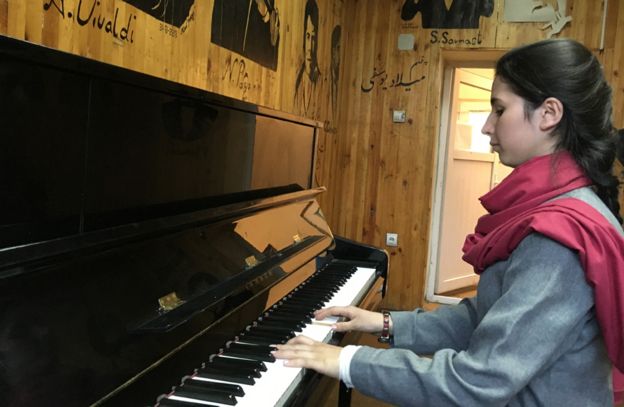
82	315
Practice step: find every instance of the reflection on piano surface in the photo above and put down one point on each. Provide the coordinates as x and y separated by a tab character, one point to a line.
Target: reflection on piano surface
170	293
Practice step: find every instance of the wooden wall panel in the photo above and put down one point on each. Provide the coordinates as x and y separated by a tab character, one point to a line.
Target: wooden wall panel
613	57
385	171
379	174
183	53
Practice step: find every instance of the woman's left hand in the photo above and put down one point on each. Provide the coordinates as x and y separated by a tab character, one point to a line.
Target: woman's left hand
302	351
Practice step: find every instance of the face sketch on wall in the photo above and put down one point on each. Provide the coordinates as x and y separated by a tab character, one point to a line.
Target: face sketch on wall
248	27
308	73
335	67
434	14
173	12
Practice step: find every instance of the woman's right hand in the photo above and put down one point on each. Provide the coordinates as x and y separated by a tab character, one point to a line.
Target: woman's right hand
357	319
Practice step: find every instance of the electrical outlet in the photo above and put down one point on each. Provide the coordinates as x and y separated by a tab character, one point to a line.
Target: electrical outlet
392	239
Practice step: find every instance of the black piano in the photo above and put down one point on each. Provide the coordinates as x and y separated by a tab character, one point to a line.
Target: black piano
156	240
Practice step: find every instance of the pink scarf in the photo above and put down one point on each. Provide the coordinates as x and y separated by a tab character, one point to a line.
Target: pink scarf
518	206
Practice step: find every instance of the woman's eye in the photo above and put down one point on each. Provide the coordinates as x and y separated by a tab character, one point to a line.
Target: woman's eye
499	112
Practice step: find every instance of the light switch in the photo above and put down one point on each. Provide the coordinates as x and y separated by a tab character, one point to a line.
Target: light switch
392	239
406	42
399	116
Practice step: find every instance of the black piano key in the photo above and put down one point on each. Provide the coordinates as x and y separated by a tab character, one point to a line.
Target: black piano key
303	301
305	318
272	337
203	394
319	291
327	284
233	389
227	376
260	328
306	310
229	368
324	286
253	372
295	302
165	402
249	354
273	330
243	363
258	340
310	290
311	294
336	277
251	348
294	326
296	322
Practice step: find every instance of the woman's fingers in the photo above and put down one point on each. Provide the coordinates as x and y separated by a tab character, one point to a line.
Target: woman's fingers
333	312
357	319
345	326
302	351
300	339
343	312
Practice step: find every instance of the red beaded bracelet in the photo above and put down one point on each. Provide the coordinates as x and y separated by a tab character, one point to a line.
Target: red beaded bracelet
385	330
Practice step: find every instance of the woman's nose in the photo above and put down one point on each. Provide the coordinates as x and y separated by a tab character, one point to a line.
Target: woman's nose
487	128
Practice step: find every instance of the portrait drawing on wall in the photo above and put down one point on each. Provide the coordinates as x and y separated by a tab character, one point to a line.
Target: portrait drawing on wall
248	27
308	73
173	12
435	14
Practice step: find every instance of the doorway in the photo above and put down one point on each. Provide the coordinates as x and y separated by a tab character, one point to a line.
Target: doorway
467	168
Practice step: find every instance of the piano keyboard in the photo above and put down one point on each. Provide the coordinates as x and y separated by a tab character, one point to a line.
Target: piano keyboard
245	373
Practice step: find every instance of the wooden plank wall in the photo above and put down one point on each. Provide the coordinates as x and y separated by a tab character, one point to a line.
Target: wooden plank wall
386	170
116	32
379	175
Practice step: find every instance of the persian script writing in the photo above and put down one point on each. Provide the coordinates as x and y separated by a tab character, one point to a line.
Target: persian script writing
384	81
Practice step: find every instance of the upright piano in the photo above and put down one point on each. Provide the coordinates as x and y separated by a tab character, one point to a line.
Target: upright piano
156	240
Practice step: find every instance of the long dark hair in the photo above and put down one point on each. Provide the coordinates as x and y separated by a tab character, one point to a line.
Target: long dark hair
567	70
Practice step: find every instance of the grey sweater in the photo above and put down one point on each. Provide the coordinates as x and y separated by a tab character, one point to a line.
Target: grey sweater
529	338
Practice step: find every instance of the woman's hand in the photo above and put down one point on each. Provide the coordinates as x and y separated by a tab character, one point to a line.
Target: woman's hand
302	351
358	319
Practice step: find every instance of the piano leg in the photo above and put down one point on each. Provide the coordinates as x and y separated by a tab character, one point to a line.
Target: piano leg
344	395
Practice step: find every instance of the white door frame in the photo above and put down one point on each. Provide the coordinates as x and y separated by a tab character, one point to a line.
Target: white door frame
438	192
451	60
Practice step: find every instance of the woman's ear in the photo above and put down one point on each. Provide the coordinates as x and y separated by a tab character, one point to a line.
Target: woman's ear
551	114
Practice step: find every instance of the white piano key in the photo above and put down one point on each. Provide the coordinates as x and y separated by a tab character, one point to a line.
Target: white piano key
354	289
276	385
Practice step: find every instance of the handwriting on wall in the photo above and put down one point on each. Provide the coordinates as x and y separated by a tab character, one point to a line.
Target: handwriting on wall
90	13
445	37
172	31
236	74
384	80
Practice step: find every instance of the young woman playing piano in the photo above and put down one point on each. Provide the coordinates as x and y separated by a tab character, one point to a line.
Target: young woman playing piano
546	327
